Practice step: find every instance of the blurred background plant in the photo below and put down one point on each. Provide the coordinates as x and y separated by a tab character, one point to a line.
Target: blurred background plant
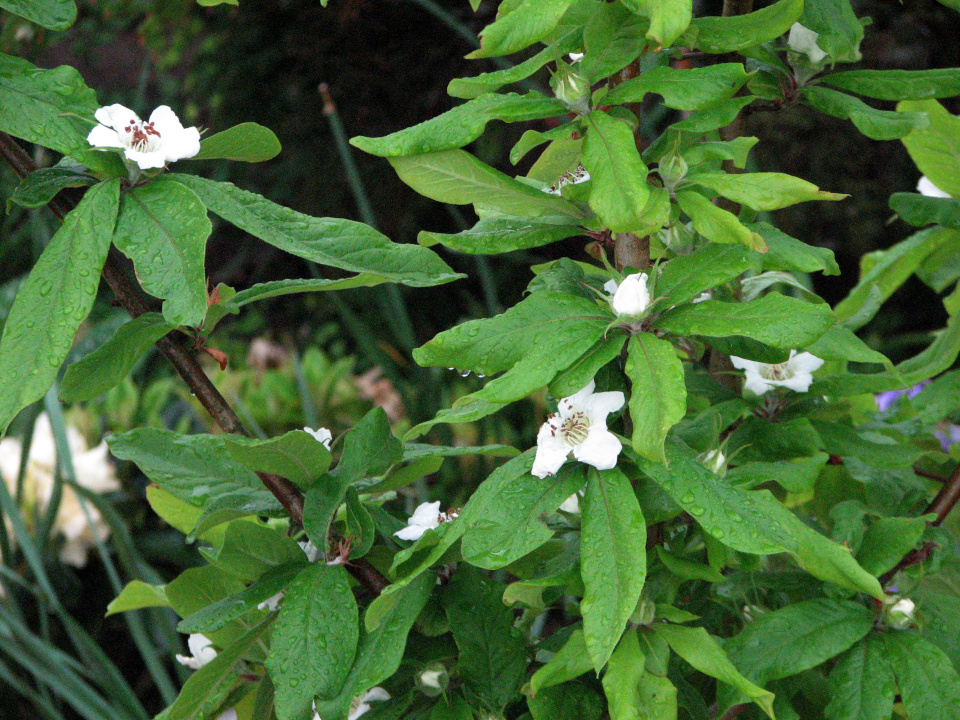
76	526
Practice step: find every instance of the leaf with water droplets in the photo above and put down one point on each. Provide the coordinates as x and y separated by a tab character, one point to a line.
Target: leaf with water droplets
54	300
929	684
613	560
315	641
248	142
861	683
296	455
658	398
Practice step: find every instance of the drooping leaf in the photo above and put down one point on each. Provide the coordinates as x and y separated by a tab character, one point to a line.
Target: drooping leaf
621	682
686	276
296	455
763	191
929	684
837	26
39	187
739	32
54	300
137	594
920	210
343	244
787	253
246	142
898	84
569	701
715	223
612	39
53	14
491	236
668	19
875	124
571	661
368	449
251	550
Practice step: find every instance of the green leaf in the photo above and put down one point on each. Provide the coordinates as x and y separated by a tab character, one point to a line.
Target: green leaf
715	223
41	106
53	14
278	288
461	125
194	468
215	616
581	372
840	31
494	235
250	550
343	244
137	594
796	638
613	560
207	687
527	22
163	227
787	253
39	187
458	178
686	276
754	522
196	588
898	84
54	300
936	149
668	18
246	142
883	271
612	39
929	685
658	398
735	150
109	364
315	641
492	662
763	191
570	701
732	34
361	530
619	188
296	455
887	540
368	449
703	652
214	3
497	532
920	210
839	343
942	267
777	320
797	475
861	683
875	124
621	682
571	661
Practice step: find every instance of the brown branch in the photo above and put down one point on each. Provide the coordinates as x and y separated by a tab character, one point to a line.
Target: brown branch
131	298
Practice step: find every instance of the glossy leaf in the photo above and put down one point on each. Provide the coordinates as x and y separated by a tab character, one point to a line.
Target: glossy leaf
619	188
54	300
621	681
763	191
613	560
296	455
163	227
840	31
861	683
612	39
527	22
39	187
53	14
936	149
929	684
658	397
246	142
250	550
733	34
787	253
137	594
581	372
494	235
898	84
715	223
368	449
920	210
566	702
875	124
687	276
571	661
668	19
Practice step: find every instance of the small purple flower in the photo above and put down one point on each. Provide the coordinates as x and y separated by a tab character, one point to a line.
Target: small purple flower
947	434
885	400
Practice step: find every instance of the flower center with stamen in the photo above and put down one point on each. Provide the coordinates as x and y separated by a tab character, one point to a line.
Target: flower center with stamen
140	138
780	371
575	428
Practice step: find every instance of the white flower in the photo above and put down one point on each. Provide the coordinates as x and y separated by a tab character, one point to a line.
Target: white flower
580	425
795	373
427	516
201	652
575	57
321	435
803	40
926	187
92	470
705	295
900	612
575	177
150	144
714	460
631	297
431	678
271	603
360	705
572	504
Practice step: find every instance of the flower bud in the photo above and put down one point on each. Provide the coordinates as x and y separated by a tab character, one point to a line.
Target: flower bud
899	613
672	169
433	679
632	296
571	88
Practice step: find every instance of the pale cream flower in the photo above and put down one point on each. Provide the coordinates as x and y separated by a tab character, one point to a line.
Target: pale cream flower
796	373
152	144
427	516
630	297
803	40
92	470
926	187
361	704
201	652
321	435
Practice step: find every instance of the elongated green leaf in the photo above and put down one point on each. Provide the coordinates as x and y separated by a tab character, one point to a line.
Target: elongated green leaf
497	533
898	84
571	661
527	22
715	223
936	149
875	124
247	142
613	560
754	522
920	210
580	373
315	641
884	271
839	343
369	449
456	177
796	476
39	187
621	682
929	684
566	702
736	150
137	594
619	188
668	19
163	227
686	276
702	651
763	191
53	14
739	32
343	244
296	455
492	658
461	125
658	398
196	588
840	31
251	550
774	319
109	364
207	687
887	540
787	253
861	683
491	236
40	106
612	39
796	638
278	288
54	300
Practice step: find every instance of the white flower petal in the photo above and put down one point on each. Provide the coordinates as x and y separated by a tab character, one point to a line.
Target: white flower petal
632	296
610	286
805	362
183	144
571	504
800	382
756	384
804	40
152	160
600	449
321	435
116	116
602	404
230	714
103	137
743	364
577	399
926	187
552	452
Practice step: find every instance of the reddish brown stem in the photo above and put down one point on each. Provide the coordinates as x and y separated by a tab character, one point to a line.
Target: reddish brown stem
183	361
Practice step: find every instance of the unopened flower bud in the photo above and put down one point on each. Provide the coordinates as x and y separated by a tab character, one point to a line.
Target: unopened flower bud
672	169
571	88
899	614
433	679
